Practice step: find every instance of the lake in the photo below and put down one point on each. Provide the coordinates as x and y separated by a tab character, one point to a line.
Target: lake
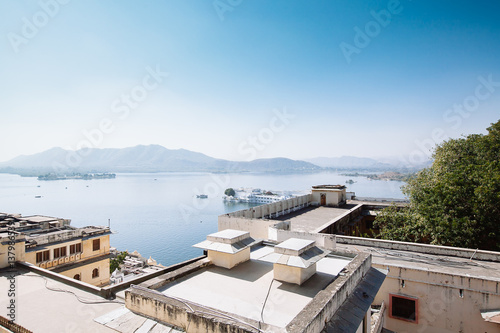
158	214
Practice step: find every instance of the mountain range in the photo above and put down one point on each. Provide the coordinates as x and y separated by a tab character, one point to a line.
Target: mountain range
151	158
156	158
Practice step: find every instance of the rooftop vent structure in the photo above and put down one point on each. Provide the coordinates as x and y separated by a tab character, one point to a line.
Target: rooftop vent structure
295	260
228	248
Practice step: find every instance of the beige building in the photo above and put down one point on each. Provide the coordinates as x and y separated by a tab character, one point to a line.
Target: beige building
427	289
290	267
328	195
51	243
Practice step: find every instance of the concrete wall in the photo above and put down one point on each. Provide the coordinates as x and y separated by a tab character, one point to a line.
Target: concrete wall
421	248
255	220
187	316
292	274
321	309
322	240
333	197
339	224
60	236
256	228
228	260
273	209
446	303
85	272
19	250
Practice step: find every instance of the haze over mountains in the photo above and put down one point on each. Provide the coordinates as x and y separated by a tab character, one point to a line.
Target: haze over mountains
156	158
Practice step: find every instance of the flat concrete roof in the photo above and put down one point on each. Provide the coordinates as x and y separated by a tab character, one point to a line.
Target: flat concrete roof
39	218
310	218
243	290
381	257
62	309
295	246
46	305
228	236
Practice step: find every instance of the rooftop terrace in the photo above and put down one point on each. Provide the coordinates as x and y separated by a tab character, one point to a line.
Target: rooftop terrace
311	218
250	293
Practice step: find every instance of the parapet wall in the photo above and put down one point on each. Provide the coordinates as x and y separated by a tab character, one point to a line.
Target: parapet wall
274	209
256	219
325	304
188	316
280	232
421	248
337	224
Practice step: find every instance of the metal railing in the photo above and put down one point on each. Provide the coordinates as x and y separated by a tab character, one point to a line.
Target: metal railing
12	326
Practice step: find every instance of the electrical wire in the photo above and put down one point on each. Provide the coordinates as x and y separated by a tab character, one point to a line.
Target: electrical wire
264	305
80	299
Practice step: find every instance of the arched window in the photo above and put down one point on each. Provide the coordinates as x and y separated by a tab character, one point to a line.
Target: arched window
95	273
77	277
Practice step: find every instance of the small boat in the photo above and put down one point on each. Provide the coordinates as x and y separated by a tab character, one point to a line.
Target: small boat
202	196
38	196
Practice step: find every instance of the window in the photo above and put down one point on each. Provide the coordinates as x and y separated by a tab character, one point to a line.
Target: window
39	257
46	255
404	308
77	277
60	252
95	273
75	248
96	244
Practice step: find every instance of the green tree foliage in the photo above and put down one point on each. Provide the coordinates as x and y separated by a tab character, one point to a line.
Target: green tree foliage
456	201
229	192
116	262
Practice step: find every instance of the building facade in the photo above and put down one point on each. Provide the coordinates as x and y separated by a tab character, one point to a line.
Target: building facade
51	243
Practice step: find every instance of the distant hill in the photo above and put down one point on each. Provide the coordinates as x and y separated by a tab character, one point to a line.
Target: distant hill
349	162
151	158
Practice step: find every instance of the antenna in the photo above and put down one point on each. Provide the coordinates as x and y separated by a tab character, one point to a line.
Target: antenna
109	223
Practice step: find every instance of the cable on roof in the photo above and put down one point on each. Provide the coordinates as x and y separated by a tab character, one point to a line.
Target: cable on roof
80	299
264	305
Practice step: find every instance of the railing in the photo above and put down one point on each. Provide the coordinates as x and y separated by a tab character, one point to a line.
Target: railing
12	326
274	209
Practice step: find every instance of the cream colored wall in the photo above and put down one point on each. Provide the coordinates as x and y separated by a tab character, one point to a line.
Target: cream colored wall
333	197
31	255
440	307
228	260
292	274
258	228
85	272
87	253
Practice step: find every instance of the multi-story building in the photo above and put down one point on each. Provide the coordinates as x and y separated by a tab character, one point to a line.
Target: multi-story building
51	243
428	288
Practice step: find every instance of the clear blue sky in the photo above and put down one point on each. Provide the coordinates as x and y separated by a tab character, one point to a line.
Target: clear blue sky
66	67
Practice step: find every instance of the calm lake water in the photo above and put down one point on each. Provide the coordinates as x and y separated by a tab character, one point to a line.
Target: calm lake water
158	214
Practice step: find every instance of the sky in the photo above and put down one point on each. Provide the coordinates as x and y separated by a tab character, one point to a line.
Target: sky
245	79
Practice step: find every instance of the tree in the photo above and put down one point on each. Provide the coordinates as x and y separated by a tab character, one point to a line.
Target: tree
229	192
455	201
116	262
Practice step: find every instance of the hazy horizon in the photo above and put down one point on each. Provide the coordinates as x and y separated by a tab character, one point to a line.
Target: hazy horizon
377	158
241	80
